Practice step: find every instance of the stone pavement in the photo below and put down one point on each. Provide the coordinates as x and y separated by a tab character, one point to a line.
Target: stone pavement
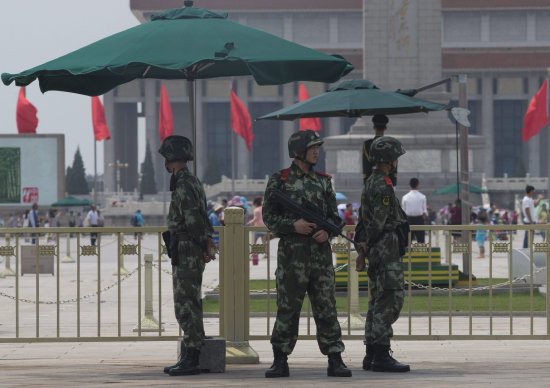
139	364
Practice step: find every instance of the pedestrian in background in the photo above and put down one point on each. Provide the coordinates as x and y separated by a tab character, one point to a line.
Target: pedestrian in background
137	221
34	220
93	218
528	205
257	220
414	206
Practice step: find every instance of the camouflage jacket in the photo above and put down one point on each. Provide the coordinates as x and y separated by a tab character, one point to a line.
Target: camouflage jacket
187	213
313	186
369	165
380	209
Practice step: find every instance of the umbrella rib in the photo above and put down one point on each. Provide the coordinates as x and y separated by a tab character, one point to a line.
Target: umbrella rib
146	71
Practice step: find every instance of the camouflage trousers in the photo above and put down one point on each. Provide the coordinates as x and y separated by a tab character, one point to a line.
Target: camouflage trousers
386	290
186	282
303	266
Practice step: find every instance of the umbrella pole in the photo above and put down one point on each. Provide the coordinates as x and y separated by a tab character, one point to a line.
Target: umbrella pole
191	89
457	165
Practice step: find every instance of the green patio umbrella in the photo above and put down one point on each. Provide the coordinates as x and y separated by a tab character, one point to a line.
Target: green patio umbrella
183	43
451	189
72	201
356	98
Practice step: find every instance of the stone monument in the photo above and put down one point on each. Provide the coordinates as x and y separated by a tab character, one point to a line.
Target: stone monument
402	50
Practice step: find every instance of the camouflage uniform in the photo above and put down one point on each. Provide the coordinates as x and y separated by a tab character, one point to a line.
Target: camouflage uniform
302	263
379	217
189	224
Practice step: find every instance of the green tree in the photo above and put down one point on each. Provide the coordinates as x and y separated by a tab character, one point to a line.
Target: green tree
212	173
148	185
76	176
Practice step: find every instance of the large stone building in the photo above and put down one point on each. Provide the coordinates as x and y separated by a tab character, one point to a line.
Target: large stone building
503	46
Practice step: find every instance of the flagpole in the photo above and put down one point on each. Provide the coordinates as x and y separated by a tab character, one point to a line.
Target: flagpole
95	171
233	163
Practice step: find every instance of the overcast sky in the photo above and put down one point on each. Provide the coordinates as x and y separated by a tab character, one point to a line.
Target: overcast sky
35	31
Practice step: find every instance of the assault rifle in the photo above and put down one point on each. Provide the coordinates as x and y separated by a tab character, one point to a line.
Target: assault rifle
311	213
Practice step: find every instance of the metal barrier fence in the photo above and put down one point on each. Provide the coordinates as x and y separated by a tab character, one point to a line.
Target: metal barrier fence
93	297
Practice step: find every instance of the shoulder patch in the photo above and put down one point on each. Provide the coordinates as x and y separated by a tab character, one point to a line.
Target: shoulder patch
386	199
284	174
388	180
323	174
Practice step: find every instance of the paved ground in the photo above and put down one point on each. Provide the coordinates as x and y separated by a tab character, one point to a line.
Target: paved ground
503	363
434	364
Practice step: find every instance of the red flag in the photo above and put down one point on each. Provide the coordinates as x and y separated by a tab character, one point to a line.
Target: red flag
240	120
98	120
537	113
25	114
313	123
166	121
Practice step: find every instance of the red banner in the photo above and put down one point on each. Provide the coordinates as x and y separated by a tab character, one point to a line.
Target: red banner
25	114
313	123
98	120
166	121
240	120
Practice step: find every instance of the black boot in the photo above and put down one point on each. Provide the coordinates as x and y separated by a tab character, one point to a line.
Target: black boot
336	366
280	365
369	356
384	362
190	364
180	360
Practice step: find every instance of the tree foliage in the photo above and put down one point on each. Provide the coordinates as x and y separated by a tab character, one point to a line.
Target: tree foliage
148	185
76	176
10	175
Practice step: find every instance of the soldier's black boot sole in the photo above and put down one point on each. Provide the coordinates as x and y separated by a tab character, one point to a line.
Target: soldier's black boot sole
277	370
189	365
384	362
336	367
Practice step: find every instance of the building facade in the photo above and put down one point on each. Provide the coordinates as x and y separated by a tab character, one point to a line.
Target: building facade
503	46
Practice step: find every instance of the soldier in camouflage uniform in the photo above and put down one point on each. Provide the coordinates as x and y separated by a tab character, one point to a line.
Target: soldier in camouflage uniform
191	246
304	257
380	217
379	125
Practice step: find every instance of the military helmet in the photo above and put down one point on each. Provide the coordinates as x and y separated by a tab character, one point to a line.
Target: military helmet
176	148
300	141
385	149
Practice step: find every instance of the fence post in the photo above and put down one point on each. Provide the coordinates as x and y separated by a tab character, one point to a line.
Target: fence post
236	290
68	258
148	322
120	263
356	321
7	270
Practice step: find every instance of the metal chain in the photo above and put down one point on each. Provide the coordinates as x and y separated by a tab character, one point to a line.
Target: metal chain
73	300
482	288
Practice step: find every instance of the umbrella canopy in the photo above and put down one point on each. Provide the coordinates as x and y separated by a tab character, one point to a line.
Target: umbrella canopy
72	201
356	98
340	196
183	43
188	43
451	189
